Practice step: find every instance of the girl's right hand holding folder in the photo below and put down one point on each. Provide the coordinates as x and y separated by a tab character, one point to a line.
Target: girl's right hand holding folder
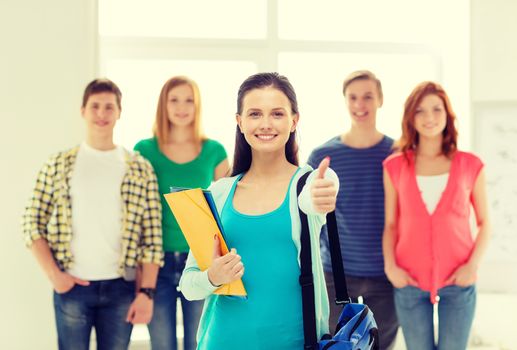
224	269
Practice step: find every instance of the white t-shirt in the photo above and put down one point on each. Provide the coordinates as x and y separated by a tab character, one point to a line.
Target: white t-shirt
97	212
431	189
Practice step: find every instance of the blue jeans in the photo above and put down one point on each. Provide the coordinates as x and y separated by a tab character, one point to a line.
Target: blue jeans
455	315
102	305
162	328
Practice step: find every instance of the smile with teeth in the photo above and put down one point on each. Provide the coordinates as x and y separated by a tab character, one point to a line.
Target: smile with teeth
266	137
360	114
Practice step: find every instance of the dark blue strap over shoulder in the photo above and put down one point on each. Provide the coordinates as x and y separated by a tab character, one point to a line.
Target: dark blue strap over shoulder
306	276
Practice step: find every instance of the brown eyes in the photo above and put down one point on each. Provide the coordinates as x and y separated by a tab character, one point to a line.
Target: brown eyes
108	107
174	100
418	111
258	114
353	98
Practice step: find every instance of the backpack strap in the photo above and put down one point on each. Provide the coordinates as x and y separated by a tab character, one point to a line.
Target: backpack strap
336	259
306	276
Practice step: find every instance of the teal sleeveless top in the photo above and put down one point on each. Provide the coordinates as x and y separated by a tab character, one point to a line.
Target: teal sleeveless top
271	316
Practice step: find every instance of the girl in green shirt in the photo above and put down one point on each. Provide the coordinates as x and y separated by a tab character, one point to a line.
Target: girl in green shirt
183	157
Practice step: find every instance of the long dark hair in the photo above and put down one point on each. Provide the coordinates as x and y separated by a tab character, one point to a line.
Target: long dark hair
242	153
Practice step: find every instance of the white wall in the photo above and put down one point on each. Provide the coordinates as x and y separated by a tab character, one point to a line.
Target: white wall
494	85
494	50
48	55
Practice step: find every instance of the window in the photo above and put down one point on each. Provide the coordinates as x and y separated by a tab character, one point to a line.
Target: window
394	21
220	43
183	19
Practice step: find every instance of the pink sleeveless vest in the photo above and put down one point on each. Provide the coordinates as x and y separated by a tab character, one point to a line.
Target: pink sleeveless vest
430	247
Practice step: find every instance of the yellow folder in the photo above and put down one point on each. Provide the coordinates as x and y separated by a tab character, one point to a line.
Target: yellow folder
198	221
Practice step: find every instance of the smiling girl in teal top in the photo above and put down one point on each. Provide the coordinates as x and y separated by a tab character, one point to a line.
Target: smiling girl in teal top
264	300
259	211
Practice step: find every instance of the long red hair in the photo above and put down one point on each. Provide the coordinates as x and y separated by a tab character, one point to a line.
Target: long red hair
409	139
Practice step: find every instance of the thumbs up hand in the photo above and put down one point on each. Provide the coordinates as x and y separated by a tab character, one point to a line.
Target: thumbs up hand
322	168
226	268
323	191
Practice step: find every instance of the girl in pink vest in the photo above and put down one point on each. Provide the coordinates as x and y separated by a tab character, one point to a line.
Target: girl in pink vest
430	255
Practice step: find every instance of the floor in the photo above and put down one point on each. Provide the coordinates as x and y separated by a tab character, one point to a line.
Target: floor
495	326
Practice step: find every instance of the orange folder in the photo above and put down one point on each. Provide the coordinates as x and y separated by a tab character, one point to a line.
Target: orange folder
198	221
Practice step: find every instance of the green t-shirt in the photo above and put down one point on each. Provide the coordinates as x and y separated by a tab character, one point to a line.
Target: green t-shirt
196	173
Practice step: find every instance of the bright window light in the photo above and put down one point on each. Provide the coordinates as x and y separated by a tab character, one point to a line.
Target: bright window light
183	19
394	21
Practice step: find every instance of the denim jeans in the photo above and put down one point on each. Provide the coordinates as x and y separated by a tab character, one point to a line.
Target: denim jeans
102	305
162	328
455	315
377	293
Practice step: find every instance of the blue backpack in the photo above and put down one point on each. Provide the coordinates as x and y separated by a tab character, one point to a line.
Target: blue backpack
356	328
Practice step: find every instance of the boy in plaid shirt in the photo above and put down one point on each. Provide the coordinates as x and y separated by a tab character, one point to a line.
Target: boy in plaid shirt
93	218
